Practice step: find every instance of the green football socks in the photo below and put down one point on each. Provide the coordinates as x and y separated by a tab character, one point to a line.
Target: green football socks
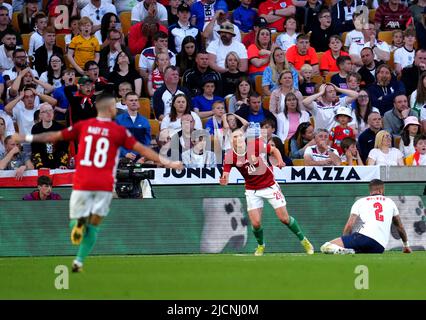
294	227
88	242
258	234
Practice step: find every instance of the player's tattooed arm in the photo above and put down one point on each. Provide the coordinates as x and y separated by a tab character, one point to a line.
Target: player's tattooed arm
349	225
396	220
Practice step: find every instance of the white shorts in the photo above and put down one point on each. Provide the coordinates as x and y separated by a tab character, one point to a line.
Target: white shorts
83	203
273	194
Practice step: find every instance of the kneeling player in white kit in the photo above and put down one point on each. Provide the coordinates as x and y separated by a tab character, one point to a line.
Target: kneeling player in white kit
377	213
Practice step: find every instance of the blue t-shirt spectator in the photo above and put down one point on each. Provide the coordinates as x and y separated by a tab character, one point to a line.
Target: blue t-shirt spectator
205	12
243	18
59	94
203	104
140	129
209	126
268	81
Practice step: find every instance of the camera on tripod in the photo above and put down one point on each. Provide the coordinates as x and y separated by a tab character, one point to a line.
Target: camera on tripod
129	177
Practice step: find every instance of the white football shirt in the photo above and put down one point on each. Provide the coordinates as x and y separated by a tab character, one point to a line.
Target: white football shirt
376	213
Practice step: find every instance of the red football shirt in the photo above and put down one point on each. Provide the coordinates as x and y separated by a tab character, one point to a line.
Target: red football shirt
267	6
257	174
96	162
337	134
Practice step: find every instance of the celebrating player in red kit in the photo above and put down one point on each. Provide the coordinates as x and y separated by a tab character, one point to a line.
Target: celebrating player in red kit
99	140
251	162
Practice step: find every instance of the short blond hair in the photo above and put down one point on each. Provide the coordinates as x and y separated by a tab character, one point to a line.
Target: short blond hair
84	21
306	67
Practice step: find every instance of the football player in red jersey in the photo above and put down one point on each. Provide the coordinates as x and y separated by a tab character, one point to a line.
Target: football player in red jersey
250	160
99	140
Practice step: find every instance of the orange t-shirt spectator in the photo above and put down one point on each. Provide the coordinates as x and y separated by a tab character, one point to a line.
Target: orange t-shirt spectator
275	11
302	53
259	53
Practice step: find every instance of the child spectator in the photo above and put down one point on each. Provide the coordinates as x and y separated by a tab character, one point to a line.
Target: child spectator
84	47
411	129
418	158
75	31
61	108
397	40
268	126
306	86
230	122
288	38
242	93
202	104
36	39
231	78
404	56
356	35
353	81
156	76
342	130
44	190
350	156
123	89
243	17
328	60
214	124
344	63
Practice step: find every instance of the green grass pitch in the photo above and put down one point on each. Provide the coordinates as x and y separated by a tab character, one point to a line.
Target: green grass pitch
392	275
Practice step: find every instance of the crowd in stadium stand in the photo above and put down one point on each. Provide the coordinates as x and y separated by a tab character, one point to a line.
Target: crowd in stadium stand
333	82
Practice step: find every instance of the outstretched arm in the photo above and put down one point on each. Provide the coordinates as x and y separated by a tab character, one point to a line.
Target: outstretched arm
277	155
349	224
154	156
396	220
52	136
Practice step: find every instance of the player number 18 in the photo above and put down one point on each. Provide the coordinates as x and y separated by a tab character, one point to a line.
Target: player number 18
100	155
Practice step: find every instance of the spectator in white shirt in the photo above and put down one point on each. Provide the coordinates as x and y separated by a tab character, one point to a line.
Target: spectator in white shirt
6	51
288	38
218	49
36	39
149	8
404	56
95	10
383	154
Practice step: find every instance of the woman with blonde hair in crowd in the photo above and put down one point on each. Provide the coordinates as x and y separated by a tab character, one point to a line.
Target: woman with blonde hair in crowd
231	78
277	64
383	154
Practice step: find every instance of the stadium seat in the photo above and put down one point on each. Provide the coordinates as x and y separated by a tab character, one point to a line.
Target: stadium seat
125	22
391	62
385	36
258	85
318	79
344	34
60	42
265	102
137	57
298	162
145	107
274	36
329	75
155	127
26	41
15	23
371	14
312	121
227	99
396	141
287	147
